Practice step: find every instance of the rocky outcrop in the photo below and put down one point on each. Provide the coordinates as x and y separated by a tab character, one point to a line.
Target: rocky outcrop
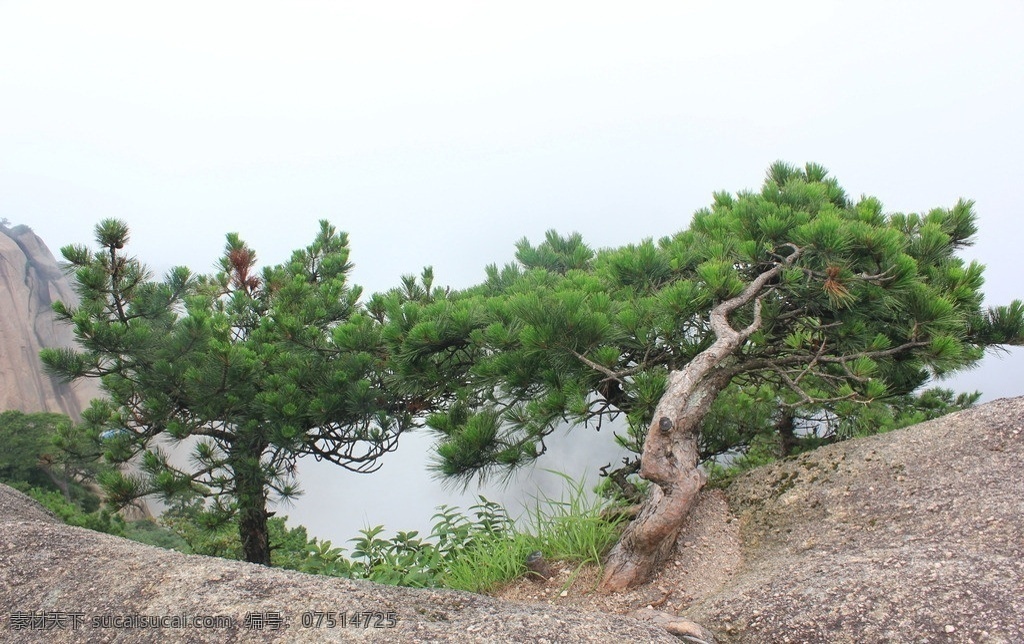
30	282
912	536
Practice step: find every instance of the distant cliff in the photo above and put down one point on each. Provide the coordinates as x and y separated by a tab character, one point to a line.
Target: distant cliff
30	282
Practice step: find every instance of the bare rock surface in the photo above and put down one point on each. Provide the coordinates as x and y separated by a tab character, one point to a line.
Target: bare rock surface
30	282
912	536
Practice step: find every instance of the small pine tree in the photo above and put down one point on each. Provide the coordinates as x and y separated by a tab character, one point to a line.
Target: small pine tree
257	368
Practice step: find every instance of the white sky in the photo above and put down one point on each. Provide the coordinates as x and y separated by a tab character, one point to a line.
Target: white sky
440	133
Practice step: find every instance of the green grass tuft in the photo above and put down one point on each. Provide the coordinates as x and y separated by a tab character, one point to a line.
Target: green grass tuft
570	529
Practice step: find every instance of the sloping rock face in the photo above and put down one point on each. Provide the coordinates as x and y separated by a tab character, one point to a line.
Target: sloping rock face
50	571
30	282
912	536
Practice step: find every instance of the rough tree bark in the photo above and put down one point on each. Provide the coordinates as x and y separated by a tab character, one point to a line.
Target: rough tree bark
251	496
670	456
787	432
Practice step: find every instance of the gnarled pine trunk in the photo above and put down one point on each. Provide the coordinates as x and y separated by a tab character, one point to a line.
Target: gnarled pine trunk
670	455
670	463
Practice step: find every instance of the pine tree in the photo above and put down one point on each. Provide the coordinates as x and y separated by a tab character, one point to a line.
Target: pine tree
792	302
257	369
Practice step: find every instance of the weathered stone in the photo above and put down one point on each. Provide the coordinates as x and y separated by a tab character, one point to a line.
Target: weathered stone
538	567
678	626
890	538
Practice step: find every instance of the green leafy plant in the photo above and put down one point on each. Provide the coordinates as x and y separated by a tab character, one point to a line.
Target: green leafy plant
403	560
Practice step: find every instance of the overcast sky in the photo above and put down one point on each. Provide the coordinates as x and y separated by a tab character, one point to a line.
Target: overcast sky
441	132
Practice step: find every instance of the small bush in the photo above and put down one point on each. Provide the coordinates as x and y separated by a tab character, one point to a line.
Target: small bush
149	532
101	520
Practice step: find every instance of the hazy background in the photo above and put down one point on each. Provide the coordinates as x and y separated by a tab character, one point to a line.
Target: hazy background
440	133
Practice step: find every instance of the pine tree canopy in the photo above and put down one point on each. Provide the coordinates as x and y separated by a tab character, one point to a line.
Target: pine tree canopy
257	368
838	305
